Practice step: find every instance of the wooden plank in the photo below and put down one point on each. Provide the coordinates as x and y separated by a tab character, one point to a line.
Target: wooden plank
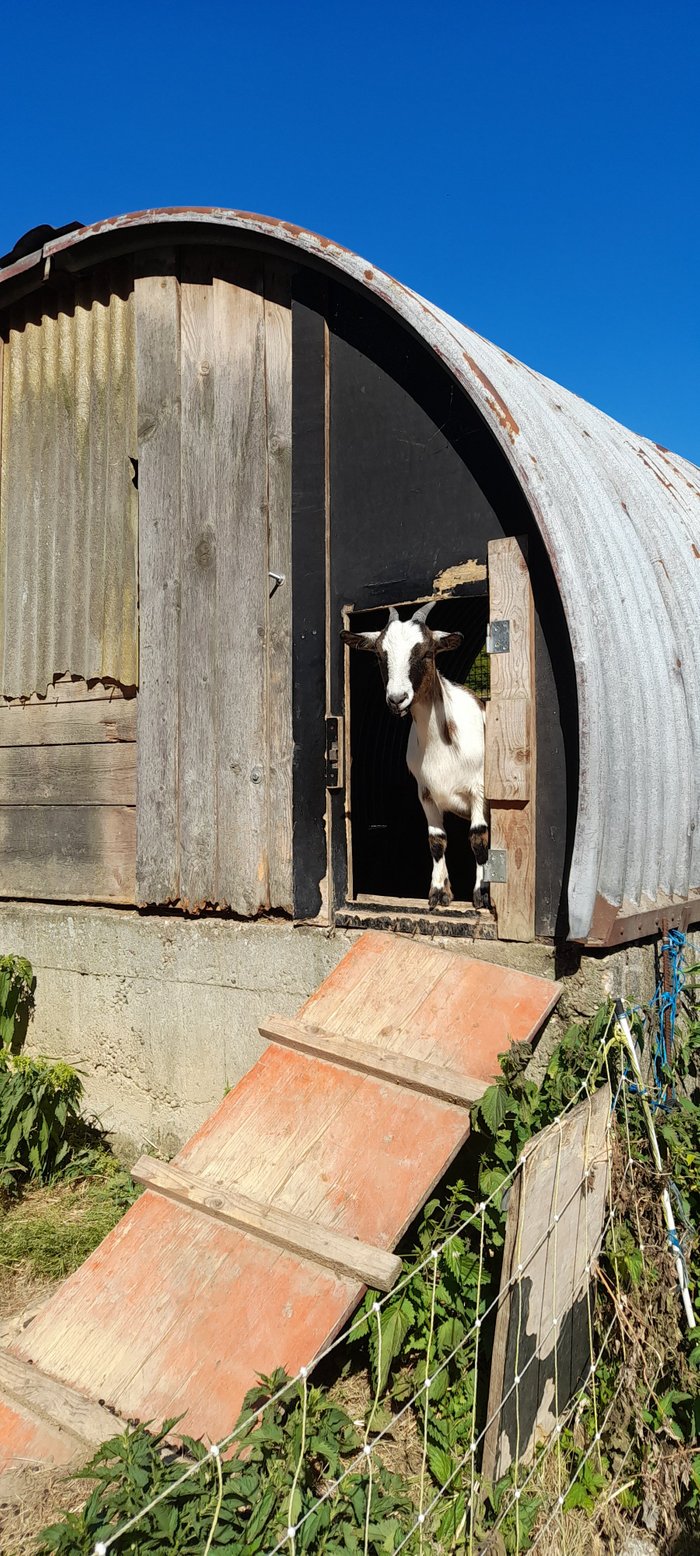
68	723
326	1246
55	1402
510	764
329	1144
175	1313
372	1059
67	689
553	1258
68	775
241	659
278	394
507	768
157	300
75	853
450	1011
200	499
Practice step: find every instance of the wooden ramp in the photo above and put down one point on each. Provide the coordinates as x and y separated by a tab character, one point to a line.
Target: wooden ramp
252	1248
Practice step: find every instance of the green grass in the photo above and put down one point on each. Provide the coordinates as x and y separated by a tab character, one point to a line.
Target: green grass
50	1230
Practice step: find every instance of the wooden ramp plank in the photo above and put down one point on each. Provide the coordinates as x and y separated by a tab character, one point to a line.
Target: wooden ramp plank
62	1407
345	1255
345	1150
374	1060
26	1439
439	1006
177	1312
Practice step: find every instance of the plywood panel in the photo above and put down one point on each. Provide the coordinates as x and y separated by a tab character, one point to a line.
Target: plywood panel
295	1133
554	1258
430	1004
215	1308
157	301
68	775
510	763
76	853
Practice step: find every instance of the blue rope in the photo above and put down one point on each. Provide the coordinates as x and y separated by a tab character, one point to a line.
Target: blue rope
665	1003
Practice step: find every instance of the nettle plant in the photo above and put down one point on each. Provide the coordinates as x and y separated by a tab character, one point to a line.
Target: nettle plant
17	983
289	1452
39	1100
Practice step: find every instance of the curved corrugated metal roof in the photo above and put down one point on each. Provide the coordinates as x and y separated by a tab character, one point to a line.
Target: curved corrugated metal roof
620	518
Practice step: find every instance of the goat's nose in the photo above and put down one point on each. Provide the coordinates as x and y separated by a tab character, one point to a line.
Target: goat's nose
396	699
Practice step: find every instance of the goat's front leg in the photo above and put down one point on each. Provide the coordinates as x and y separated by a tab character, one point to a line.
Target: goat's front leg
479	839
440	889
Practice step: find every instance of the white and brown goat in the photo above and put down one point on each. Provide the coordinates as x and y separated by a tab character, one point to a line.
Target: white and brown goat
446	744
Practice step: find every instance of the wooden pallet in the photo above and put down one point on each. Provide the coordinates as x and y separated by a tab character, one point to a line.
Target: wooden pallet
251	1249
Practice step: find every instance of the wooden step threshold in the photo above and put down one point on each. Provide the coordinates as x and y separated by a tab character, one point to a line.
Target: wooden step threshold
56	1403
410	918
344	1255
371	1059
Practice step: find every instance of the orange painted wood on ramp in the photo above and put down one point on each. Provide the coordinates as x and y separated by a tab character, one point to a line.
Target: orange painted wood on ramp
176	1312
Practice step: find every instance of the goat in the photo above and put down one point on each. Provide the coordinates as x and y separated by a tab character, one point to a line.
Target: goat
446	744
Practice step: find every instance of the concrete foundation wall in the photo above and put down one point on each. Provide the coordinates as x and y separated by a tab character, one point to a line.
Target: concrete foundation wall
160	1013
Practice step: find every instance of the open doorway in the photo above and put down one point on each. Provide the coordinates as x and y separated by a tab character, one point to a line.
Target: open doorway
388	855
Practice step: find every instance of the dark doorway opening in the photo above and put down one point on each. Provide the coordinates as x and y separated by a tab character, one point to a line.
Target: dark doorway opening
388	837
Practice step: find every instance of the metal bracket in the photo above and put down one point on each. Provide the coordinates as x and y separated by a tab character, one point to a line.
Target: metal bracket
496	867
334	752
498	637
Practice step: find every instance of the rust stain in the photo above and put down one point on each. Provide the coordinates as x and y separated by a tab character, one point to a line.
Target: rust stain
661	563
498	405
369	275
694	550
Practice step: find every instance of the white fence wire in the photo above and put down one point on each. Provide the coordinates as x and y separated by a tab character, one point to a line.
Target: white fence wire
465	1475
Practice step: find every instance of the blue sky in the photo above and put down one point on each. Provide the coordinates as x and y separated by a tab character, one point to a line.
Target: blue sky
533	168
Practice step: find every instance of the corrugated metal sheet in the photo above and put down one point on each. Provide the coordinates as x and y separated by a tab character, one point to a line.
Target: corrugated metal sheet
620	518
68	505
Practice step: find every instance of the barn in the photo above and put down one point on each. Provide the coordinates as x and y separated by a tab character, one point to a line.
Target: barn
222	440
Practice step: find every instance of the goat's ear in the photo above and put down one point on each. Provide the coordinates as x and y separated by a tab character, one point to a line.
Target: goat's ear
366	640
446	640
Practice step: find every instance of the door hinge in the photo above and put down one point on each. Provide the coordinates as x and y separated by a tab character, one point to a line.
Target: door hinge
498	637
496	867
334	751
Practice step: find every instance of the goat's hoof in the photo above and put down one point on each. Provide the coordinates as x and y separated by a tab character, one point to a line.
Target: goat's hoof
479	839
482	896
440	897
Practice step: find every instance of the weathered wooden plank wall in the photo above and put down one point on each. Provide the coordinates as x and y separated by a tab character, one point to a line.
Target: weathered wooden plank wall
67	795
214	391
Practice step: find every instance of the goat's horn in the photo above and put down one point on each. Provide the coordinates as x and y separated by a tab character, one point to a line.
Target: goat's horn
393	614
421	615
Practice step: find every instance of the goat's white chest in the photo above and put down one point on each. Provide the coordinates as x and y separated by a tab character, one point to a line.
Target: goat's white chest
450	770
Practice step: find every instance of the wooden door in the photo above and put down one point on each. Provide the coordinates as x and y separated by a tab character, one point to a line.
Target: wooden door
510	739
214	729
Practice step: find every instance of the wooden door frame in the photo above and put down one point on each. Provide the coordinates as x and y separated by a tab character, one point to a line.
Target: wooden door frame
510	767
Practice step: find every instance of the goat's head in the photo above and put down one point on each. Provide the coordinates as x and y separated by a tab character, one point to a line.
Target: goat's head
406	652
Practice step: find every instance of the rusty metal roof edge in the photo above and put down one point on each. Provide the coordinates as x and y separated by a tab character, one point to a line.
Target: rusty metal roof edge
608	503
